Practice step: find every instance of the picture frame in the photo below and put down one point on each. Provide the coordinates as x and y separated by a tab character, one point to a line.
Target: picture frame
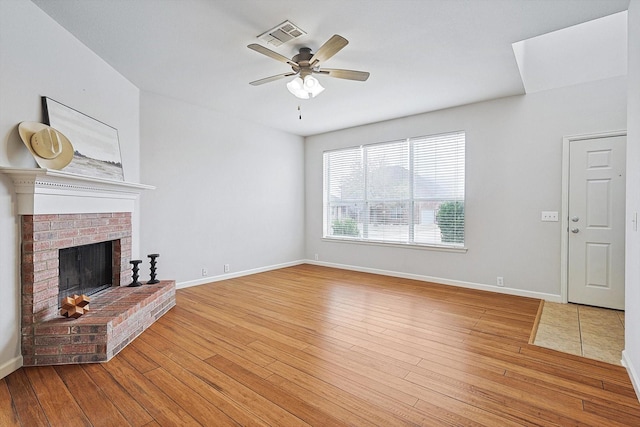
96	145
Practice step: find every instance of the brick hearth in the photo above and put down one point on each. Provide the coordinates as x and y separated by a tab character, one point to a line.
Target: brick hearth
116	316
119	316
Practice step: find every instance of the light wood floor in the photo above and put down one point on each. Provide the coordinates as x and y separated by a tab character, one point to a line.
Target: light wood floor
309	345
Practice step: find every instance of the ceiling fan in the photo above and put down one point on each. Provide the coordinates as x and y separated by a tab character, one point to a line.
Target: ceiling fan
305	64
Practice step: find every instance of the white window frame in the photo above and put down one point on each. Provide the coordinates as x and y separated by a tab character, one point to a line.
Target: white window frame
409	201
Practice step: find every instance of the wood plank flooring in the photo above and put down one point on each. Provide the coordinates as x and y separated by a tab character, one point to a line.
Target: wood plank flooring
314	346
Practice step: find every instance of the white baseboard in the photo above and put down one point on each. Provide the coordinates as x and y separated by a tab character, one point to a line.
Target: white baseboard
439	280
442	281
211	279
633	374
10	366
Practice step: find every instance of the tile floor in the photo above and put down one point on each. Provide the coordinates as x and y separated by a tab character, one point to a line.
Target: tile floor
596	333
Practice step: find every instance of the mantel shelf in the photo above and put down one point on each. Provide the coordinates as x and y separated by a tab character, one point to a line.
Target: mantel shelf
49	191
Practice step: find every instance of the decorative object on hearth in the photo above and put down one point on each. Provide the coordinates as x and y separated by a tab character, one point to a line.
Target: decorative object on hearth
74	306
153	269
49	147
96	144
136	269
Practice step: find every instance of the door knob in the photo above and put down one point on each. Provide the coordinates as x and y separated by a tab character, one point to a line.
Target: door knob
575	219
575	230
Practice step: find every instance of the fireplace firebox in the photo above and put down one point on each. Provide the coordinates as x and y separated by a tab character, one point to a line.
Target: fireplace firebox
85	270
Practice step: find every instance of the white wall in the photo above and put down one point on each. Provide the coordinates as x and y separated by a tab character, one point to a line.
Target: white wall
631	355
40	58
513	172
228	192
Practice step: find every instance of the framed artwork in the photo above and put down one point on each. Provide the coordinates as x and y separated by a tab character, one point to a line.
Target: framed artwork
96	148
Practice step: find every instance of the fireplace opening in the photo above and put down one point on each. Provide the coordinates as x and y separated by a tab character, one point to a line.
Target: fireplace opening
86	269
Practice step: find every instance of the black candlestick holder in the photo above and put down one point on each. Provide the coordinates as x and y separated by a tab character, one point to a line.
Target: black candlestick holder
136	268
153	269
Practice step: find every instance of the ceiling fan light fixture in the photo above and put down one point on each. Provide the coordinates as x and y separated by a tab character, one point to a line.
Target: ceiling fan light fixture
310	87
296	87
310	83
305	63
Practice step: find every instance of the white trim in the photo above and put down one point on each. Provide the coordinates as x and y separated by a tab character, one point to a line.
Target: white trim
443	248
564	223
10	366
633	374
564	229
48	191
442	281
422	278
211	279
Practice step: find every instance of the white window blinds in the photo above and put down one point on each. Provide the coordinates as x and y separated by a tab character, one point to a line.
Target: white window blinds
409	191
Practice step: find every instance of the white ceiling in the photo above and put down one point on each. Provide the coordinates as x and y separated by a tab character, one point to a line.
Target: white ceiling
582	53
423	55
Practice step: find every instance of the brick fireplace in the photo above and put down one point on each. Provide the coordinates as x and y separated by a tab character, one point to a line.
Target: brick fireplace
58	210
42	238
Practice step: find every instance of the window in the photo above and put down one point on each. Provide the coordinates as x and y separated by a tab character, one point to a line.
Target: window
406	192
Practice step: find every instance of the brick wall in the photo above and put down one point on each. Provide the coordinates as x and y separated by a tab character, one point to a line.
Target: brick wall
42	237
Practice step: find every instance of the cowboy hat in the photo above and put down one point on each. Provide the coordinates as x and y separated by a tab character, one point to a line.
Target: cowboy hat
50	148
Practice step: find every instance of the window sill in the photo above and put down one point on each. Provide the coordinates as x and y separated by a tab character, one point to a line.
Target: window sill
397	245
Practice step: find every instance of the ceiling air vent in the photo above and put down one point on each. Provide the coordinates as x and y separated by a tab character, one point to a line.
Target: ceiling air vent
282	33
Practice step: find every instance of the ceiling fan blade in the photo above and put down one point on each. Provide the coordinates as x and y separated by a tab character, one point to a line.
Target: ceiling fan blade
271	79
345	74
271	54
327	50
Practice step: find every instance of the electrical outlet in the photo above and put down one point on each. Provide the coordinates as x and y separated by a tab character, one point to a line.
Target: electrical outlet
205	272
226	268
551	216
500	281
316	257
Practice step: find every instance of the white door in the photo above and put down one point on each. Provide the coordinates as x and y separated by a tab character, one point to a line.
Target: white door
597	221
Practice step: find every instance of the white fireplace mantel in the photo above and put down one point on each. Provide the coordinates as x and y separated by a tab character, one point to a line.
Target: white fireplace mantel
47	191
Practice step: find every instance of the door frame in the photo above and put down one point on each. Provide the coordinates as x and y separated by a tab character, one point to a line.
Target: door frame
564	226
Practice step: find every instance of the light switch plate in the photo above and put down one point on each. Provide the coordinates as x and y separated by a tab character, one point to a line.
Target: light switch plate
551	216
